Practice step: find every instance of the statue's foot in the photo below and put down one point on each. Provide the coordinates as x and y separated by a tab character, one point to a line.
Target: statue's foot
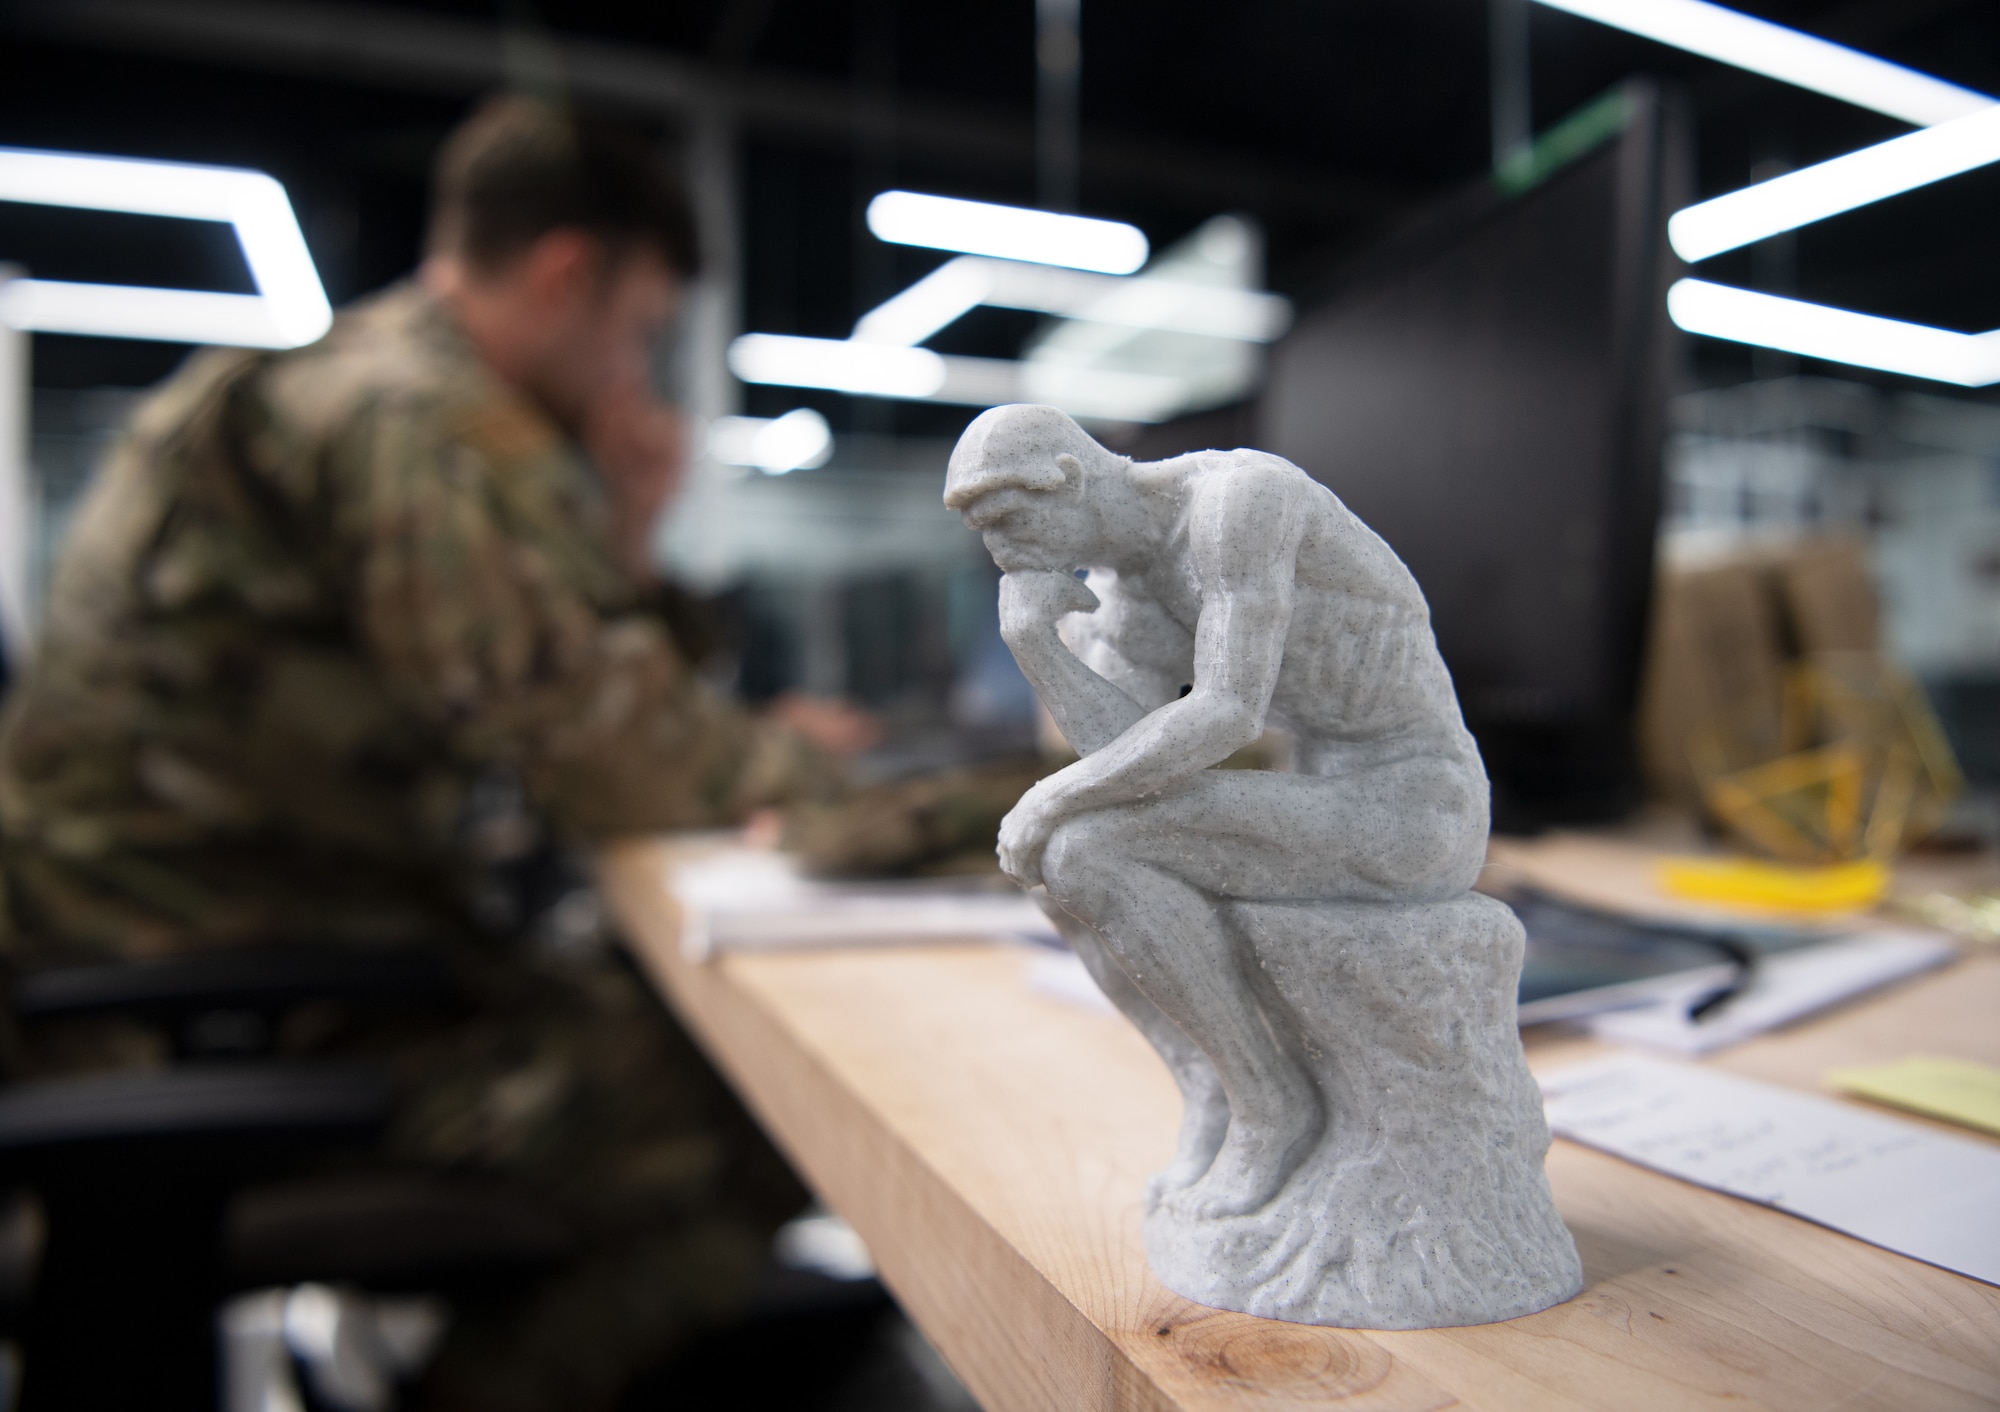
1179	1175
1204	1125
1254	1163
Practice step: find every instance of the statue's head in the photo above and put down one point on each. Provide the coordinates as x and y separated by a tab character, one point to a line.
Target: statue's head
1021	475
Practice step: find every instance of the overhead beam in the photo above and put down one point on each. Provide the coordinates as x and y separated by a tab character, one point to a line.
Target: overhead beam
400	48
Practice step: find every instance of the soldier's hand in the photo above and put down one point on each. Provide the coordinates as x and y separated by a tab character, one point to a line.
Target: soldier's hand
1032	599
639	445
837	726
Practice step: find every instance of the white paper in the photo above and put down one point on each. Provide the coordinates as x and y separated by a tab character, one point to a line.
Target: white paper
1925	1194
1786	987
746	900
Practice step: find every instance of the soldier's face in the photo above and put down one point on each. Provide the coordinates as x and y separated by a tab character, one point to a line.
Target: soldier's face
571	322
613	319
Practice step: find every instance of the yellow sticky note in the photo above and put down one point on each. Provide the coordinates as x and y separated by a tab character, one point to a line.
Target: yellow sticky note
1754	885
1957	1090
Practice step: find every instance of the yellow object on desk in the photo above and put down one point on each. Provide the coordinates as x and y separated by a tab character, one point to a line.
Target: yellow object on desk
1852	765
1776	887
1956	1090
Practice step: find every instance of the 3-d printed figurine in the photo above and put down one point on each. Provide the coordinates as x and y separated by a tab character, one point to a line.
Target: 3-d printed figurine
1362	1142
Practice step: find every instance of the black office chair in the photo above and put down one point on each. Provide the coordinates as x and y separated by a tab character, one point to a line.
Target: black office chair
161	1188
230	1002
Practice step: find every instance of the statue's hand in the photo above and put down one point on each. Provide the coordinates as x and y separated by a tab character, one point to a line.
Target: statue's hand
1032	599
1025	832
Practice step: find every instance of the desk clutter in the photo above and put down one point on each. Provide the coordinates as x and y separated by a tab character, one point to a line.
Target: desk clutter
1635	982
1629	981
1771	705
1954	1090
1694	987
985	1137
1688	987
1925	1194
744	899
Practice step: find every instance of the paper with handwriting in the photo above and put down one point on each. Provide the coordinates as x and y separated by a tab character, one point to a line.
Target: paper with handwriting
1925	1194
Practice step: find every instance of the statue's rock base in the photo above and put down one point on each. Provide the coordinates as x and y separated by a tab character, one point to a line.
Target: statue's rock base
1424	1203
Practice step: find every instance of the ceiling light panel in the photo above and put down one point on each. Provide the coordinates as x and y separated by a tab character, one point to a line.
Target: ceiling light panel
1007	232
800	440
290	307
887	370
843	365
1838	335
1844	184
957	287
1788	55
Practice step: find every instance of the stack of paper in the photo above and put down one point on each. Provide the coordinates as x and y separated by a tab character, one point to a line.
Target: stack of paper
1891	1183
1785	987
745	899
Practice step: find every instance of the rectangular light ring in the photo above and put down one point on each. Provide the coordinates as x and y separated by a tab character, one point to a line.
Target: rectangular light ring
1007	232
1838	335
1788	55
842	365
290	307
1829	188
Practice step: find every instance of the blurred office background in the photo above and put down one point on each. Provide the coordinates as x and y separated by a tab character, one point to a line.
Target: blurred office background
1444	220
1417	246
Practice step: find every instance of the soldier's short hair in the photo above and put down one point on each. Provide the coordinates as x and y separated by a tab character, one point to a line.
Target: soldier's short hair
519	168
1015	447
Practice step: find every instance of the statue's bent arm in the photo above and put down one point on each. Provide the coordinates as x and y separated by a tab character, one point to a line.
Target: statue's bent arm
1090	711
1244	540
1133	643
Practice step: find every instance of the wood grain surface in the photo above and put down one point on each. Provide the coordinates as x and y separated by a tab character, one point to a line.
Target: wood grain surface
991	1143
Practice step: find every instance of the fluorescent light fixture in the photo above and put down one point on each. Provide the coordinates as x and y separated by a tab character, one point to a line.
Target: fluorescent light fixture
1180	297
290	307
1839	335
1843	184
887	370
1112	394
959	286
942	297
1007	232
134	311
1787	55
874	369
1245	315
1961	133
798	441
1103	392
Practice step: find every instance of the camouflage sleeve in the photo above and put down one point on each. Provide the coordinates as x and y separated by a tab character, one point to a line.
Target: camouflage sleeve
486	596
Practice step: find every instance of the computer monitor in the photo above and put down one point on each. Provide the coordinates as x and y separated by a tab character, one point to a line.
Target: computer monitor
1487	390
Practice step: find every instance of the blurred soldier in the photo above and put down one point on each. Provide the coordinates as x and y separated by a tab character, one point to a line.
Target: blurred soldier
313	604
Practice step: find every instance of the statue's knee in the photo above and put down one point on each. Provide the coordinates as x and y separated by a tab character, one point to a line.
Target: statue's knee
1451	849
1074	863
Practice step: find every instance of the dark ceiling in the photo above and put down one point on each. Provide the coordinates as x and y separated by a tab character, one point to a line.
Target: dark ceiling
1327	119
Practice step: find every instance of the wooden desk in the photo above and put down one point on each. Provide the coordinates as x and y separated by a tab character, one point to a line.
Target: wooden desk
990	1145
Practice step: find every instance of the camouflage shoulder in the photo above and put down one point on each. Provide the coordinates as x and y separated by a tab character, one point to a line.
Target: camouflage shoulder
395	348
504	430
173	405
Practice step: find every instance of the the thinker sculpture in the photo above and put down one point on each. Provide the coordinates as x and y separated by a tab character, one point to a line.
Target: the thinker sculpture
1362	1142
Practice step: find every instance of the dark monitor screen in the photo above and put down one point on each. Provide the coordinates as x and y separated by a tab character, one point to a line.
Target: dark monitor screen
1487	391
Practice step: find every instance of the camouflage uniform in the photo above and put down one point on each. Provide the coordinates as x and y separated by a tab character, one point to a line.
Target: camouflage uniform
931	825
314	598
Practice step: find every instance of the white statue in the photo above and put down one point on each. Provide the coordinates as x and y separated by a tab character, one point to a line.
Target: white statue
1362	1143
